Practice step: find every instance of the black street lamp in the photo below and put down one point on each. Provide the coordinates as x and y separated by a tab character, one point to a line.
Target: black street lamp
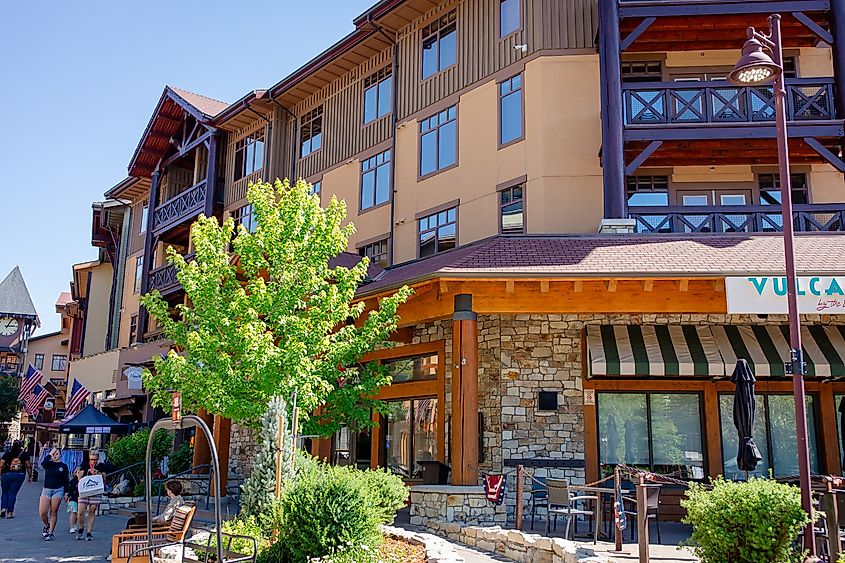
756	67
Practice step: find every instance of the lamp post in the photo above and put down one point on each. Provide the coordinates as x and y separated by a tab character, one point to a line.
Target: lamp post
753	68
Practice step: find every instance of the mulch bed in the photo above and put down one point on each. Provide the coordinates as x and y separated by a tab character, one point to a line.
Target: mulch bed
393	550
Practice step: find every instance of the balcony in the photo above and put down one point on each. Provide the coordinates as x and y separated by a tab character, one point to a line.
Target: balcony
180	208
164	278
808	218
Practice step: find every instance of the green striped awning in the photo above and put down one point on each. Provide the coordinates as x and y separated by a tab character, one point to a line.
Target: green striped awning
633	350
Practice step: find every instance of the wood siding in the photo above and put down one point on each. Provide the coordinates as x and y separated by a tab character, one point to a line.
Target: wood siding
236	189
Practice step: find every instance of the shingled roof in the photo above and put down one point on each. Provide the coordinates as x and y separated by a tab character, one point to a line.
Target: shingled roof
620	256
14	296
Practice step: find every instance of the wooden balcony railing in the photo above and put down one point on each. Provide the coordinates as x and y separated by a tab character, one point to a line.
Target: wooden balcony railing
685	103
179	208
164	278
809	218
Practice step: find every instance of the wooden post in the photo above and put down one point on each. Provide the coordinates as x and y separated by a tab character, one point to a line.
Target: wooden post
642	520
831	514
520	484
294	431
202	453
222	436
464	392
279	447
617	533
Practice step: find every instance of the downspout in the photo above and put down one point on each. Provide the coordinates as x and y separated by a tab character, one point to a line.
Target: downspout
394	122
292	175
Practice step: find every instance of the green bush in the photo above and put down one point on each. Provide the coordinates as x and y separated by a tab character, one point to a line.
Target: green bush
132	449
181	459
241	526
756	521
388	492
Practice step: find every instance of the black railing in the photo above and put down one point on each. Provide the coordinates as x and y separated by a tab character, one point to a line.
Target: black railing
164	278
179	208
810	218
685	103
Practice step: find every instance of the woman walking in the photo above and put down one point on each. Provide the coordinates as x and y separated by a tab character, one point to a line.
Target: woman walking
55	488
89	505
14	466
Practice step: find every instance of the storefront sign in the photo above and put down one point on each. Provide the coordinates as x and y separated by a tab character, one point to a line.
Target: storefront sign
97	430
767	294
589	397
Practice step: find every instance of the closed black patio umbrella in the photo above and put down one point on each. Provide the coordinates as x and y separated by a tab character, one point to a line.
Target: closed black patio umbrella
747	455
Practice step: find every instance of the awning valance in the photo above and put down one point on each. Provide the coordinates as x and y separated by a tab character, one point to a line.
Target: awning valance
711	351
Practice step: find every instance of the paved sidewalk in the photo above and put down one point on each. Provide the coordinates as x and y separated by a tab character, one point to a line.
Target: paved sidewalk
20	538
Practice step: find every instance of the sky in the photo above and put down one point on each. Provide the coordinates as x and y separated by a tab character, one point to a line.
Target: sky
79	81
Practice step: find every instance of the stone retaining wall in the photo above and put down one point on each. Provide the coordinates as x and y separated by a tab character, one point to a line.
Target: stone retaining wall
437	550
466	505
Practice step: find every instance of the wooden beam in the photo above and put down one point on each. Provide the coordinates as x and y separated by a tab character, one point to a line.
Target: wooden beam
222	436
825	153
642	157
818	30
712	429
544	286
829	427
723	8
631	37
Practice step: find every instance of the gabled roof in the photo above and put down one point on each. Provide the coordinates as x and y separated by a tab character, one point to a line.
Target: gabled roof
14	297
165	122
64	299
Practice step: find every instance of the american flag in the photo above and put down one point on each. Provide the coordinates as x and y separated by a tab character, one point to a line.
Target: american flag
77	397
31	379
36	398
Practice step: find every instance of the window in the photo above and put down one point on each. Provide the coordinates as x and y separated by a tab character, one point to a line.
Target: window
378	90
641	71
144	213
410	435
438	233
648	191
417	368
133	329
770	188
439	141
39	361
375	180
774	434
59	362
376	252
249	154
317	187
244	216
512	210
790	68
311	131
547	401
508	17
139	273
510	109
439	44
661	432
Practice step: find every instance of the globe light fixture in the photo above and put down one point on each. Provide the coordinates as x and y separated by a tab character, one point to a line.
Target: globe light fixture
754	66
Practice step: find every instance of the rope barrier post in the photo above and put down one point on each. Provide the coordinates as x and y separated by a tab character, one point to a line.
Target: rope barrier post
642	519
831	514
520	484
617	485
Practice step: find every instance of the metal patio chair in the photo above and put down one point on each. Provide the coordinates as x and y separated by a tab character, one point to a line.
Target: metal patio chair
562	503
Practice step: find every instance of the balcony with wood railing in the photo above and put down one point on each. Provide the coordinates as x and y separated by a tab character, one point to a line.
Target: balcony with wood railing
806	218
180	208
164	278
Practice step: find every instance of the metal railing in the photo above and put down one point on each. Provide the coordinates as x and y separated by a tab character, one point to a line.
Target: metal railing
685	103
202	479
807	218
179	208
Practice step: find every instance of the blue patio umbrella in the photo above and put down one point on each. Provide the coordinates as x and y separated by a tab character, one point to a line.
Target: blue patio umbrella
745	403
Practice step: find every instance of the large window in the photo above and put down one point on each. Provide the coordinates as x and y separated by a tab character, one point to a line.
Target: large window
378	90
774	434
661	432
418	368
244	216
770	188
512	210
510	109
439	44
39	361
59	362
410	435
376	252
311	131
139	273
509	17
439	141
438	232
375	180
647	191
249	154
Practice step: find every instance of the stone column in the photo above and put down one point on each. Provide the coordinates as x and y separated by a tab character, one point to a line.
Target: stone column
464	392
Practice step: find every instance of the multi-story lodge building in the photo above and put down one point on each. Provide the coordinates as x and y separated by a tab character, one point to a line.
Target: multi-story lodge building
576	194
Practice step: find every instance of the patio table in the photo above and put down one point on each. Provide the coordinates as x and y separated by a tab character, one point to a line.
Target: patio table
599	491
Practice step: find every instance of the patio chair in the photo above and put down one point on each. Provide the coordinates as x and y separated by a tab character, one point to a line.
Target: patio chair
652	501
126	542
561	502
539	496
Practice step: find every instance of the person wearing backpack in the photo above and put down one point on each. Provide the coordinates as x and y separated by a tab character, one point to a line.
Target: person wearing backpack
15	465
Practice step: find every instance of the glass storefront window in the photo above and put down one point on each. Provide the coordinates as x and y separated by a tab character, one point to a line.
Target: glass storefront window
410	435
774	434
658	431
419	368
352	448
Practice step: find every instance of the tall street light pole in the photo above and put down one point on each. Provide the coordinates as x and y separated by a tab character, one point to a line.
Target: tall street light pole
756	67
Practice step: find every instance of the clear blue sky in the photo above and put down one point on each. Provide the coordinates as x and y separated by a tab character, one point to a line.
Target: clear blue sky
79	81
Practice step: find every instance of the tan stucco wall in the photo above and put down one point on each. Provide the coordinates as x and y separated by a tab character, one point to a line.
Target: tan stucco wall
97	314
826	184
95	372
130	299
48	346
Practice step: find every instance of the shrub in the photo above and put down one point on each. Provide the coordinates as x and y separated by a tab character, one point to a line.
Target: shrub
745	522
388	492
241	526
181	459
133	448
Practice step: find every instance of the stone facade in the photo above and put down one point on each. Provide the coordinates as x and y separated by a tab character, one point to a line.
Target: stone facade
440	503
243	449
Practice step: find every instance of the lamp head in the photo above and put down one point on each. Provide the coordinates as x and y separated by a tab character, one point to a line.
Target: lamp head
754	66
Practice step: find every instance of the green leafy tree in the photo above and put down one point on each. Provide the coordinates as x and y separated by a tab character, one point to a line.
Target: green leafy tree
9	404
273	319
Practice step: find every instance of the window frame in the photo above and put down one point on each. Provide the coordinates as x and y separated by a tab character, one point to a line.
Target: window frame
374	169
241	147
133	329
446	208
38	362
501	98
239	214
363	246
521	24
62	359
509	186
775	183
446	20
375	80
436	131
145	217
138	278
309	118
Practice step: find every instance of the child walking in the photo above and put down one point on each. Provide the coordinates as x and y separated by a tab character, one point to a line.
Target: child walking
72	498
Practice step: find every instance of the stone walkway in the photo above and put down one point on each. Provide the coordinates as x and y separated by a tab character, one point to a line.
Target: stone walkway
20	538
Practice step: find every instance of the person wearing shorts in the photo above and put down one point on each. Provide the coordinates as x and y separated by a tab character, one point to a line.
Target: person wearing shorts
72	498
55	486
89	505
